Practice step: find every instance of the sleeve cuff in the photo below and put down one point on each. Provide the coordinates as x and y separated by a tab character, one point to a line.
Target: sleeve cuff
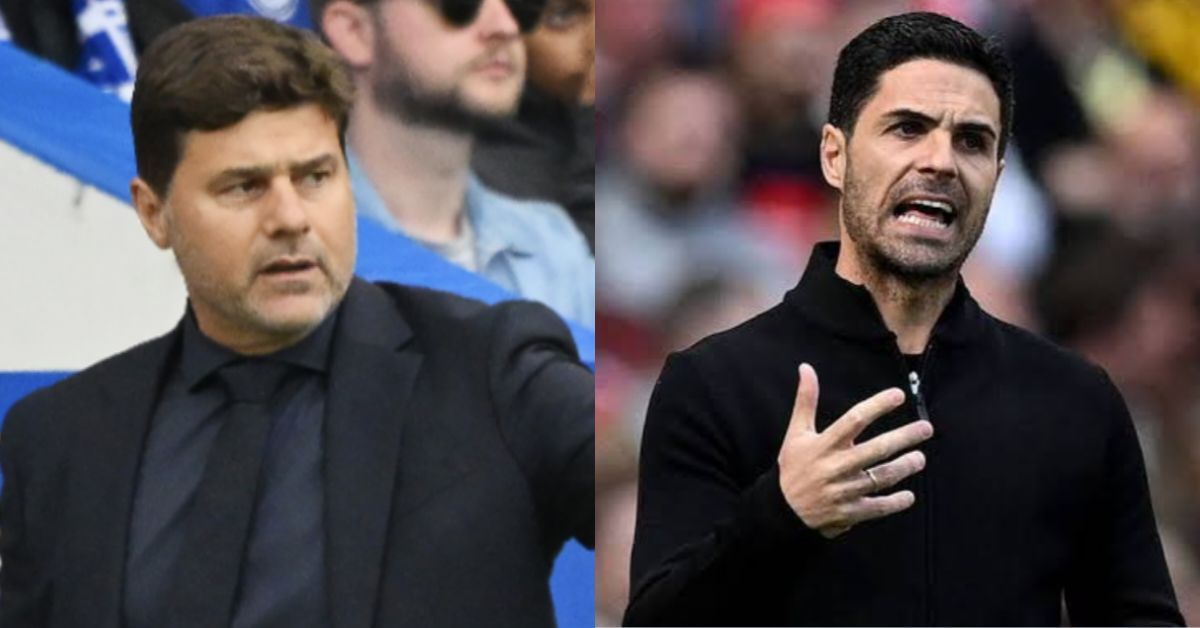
775	520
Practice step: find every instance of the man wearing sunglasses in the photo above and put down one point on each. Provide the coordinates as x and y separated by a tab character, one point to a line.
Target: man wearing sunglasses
548	150
430	74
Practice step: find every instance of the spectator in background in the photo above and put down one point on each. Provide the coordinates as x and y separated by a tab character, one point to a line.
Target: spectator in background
778	51
429	77
149	18
1132	308
43	27
1157	143
101	39
637	35
88	37
667	208
562	51
548	151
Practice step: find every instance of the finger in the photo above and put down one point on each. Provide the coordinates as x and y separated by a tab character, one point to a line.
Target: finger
850	425
834	531
804	410
868	508
885	446
886	475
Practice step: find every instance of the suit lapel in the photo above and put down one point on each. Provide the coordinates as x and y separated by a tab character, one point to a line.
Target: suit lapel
371	382
101	484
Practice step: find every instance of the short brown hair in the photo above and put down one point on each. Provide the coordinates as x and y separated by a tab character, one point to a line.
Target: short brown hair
209	74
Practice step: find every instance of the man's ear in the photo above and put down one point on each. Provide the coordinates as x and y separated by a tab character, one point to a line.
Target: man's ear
151	211
350	30
833	155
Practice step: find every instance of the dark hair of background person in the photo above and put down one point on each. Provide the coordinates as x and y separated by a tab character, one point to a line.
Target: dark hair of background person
893	41
209	74
1091	282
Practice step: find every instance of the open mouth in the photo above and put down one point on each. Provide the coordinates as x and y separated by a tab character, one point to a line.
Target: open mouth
935	214
286	266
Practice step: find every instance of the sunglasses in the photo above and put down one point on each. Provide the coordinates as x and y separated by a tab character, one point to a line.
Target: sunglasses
461	13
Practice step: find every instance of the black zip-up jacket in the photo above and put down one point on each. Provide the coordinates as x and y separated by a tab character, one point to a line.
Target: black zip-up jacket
1034	488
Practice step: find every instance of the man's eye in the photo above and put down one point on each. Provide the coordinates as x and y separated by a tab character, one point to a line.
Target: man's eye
561	15
246	188
973	142
908	128
316	178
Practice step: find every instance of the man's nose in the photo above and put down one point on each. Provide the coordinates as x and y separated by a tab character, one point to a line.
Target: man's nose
285	210
937	156
495	19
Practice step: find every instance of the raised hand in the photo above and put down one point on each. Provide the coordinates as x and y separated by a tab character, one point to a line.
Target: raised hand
831	482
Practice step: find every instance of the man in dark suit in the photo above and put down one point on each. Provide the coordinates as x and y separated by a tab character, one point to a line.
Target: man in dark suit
305	448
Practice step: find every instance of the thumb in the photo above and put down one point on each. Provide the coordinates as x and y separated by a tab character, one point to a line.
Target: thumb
804	410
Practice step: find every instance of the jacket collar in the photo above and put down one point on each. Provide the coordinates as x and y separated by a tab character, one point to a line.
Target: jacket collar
848	310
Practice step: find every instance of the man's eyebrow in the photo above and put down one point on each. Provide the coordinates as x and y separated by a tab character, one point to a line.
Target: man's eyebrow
326	160
978	127
912	114
244	172
909	114
265	171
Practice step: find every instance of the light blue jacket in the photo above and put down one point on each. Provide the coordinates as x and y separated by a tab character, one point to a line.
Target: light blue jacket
530	248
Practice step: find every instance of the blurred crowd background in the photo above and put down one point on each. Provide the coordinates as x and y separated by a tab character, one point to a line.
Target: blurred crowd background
512	218
709	197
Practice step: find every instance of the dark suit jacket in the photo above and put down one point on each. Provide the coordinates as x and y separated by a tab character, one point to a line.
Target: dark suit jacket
458	444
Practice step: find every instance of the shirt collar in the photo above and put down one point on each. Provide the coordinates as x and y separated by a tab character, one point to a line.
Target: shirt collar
496	228
849	310
201	356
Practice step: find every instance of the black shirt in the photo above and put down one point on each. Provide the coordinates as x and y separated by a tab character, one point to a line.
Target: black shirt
282	577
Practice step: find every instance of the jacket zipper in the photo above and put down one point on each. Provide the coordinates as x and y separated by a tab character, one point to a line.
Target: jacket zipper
914	386
923	413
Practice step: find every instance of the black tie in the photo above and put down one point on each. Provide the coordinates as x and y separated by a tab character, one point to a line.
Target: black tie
218	524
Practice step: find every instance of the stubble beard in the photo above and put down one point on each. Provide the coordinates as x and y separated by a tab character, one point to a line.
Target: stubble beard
239	306
397	90
884	256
